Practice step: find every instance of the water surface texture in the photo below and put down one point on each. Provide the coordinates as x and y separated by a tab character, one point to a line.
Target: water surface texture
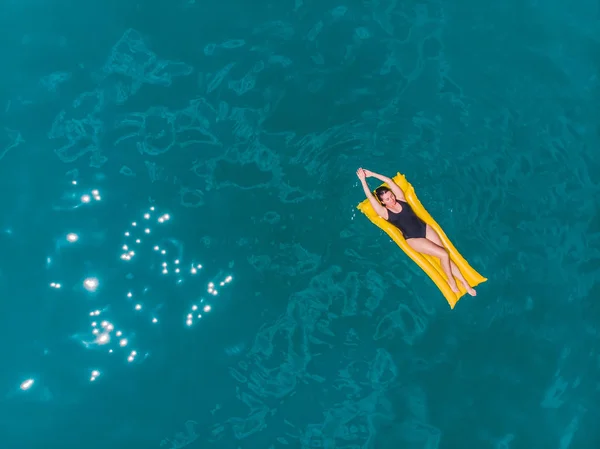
183	263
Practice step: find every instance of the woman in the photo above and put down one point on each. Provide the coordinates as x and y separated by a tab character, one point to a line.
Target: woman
421	237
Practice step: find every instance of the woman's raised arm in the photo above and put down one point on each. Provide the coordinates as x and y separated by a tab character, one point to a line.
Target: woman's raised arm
381	210
395	188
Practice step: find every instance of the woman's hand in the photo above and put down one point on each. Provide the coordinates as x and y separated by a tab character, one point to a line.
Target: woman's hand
368	173
361	174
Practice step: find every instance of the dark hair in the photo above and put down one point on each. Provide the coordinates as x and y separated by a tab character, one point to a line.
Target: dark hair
380	191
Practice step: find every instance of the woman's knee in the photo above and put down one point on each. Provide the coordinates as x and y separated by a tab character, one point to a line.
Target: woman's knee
440	252
444	256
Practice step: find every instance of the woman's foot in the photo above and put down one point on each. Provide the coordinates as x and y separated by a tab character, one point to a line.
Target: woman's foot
453	286
470	290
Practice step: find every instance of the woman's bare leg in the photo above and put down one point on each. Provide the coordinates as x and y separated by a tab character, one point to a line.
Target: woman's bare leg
435	238
426	246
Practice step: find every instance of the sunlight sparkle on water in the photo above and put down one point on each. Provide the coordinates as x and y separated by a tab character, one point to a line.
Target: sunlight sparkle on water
26	385
116	319
103	338
90	284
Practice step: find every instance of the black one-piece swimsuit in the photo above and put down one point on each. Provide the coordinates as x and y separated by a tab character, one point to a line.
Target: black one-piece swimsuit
408	222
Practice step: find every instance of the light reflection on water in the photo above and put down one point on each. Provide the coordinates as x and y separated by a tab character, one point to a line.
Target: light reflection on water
153	276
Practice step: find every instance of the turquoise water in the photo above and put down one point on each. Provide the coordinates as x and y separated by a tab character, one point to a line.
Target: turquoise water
285	319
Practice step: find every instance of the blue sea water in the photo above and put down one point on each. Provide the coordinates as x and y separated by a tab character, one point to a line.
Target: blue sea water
183	263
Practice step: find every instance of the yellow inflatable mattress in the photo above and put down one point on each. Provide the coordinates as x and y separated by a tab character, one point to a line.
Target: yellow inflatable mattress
429	264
